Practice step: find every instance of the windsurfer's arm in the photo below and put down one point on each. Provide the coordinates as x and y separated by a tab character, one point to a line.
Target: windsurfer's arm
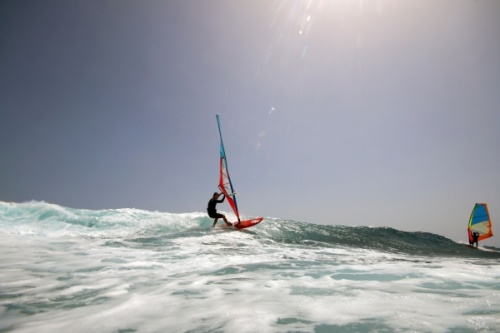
223	198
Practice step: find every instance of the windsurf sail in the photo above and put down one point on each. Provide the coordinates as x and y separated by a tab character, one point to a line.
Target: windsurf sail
480	222
225	184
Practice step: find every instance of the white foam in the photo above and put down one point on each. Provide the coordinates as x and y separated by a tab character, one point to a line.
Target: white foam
225	280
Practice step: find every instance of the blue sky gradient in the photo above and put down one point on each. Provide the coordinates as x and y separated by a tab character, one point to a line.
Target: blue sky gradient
379	113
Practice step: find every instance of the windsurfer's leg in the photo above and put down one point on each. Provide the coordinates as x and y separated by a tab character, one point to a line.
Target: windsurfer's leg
225	220
215	222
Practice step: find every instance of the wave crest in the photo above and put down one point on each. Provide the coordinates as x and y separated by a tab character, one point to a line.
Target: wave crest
40	218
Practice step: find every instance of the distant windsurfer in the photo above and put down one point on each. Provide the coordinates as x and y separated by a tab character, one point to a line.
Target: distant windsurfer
212	212
475	237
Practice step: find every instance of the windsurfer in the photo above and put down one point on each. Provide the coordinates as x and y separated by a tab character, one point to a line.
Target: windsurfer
475	236
212	212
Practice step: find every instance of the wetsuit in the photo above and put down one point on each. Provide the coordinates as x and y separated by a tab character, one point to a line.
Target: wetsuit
212	212
475	237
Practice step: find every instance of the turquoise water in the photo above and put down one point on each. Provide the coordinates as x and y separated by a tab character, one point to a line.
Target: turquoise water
129	270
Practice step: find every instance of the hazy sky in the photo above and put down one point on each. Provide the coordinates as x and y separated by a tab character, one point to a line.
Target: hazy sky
379	113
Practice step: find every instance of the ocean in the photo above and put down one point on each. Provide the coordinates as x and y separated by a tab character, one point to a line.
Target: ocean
130	270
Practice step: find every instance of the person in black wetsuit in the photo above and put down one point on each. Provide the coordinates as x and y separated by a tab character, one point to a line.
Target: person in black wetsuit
475	236
212	212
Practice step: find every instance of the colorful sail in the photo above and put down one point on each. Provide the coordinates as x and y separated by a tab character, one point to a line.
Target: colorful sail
480	222
225	184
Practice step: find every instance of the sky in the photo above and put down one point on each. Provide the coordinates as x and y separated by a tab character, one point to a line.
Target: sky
341	112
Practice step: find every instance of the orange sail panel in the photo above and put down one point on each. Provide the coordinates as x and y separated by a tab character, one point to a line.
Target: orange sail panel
480	222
